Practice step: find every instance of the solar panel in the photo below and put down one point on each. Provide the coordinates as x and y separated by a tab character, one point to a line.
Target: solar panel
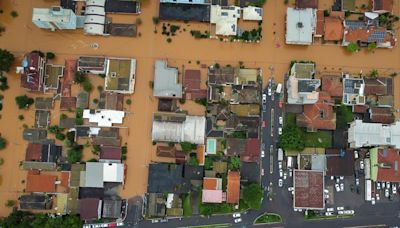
355	24
377	36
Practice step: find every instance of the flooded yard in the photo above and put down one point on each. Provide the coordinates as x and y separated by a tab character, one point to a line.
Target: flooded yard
183	52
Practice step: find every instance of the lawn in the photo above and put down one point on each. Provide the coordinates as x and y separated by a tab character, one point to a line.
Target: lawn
268	218
290	118
212	226
318	139
187	206
217	208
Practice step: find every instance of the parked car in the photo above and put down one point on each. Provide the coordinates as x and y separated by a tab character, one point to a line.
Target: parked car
328	214
331	209
269	91
373	201
348	212
326	191
236	215
378	185
280	131
280	120
290	172
280	173
280	165
263	124
238	220
340	208
284	176
280	182
361	164
383	185
341	212
337	180
262	172
341	177
357	181
341	187
388	185
290	189
264	98
332	177
394	189
262	153
378	197
355	154
387	193
337	187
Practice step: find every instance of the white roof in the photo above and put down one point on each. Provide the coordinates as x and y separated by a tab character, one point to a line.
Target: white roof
94	175
373	134
104	118
95	2
95	17
47	14
371	15
252	13
225	19
113	172
191	130
300	26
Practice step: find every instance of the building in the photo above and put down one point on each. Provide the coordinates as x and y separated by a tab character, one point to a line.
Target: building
35	202
225	19
90	209
112	208
104	118
36	182
252	151
191	85
212	190
353	90
233	187
303	4
385	165
300	26
381	115
97	173
302	91
363	34
156	205
361	134
382	6
339	162
221	76
92	64
348	5
55	18
120	75
185	10
95	17
333	85
174	127
166	81
251	13
309	188
167	178
110	153
32	74
333	28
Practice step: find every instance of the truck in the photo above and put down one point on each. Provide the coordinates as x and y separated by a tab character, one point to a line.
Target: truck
368	190
278	88
289	162
280	154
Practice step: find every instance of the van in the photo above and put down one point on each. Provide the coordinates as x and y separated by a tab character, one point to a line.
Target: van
289	162
279	88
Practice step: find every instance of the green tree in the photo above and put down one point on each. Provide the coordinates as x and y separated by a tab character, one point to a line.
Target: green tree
87	86
344	115
60	136
187	146
14	13
6	60
352	47
234	163
10	203
24	101
371	47
156	20
291	138
3	82
374	73
50	55
193	161
252	195
80	77
75	154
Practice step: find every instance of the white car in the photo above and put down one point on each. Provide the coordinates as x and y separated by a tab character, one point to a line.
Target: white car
280	183
383	185
328	214
378	197
269	91
280	131
280	173
264	98
378	185
238	220
357	181
340	208
373	201
348	212
262	153
341	187
361	164
340	212
326	191
394	189
280	120
284	176
388	185
387	193
236	215
262	172
337	187
290	172
355	154
330	209
337	180
341	177
290	189
280	165
332	177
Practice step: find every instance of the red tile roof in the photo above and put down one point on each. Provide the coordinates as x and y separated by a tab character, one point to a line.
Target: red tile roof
233	188
333	85
333	29
33	152
360	108
307	4
166	151
252	150
319	115
40	183
378	86
68	78
88	208
68	103
383	5
363	35
33	76
391	159
191	84
381	115
200	154
65	177
210	183
110	153
320	23
308	189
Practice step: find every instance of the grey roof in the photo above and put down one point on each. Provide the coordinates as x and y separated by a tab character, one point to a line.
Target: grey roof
167	178
94	175
249	172
122	6
68	122
185	12
166	81
76	174
308	86
34	135
300	26
112	208
35	201
42	118
47	166
221	76
51	153
82	100
44	103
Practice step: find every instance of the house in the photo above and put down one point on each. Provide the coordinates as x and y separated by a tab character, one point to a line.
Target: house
364	34
235	146
233	187
120	75
212	190
174	127
75	177
85	193
348	5
382	6
300	26
42	118
34	135
361	134
303	70
252	151
104	118
339	163
225	19
44	103
167	178
185	10
191	85
82	100
35	201
67	103
97	173
55	18
318	116
252	13
123	7
302	91
201	154
52	77
332	84
68	123
111	101
166	151
62	204
385	165
380	86
250	125
174	205
309	188
95	17
90	209
353	91
221	75
32	74
42	166
36	182
194	174
92	64
245	95
110	153
166	81
381	115
247	77
250	172
334	28
156	205
319	28
303	4
112	208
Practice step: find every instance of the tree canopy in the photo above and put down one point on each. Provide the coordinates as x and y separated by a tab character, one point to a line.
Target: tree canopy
344	115
24	101
234	163
6	60
352	47
252	195
3	143
291	138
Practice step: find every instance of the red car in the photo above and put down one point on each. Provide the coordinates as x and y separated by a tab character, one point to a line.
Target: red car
280	104
263	124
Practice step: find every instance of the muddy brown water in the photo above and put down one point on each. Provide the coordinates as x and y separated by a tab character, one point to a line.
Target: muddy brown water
22	36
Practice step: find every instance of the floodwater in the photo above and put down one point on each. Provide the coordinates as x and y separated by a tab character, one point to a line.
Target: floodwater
271	55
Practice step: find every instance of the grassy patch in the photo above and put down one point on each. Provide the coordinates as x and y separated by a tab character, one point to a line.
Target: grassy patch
317	139
213	226
290	118
211	208
268	218
187	206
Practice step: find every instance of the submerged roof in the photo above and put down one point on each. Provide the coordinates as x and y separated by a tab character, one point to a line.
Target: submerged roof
166	81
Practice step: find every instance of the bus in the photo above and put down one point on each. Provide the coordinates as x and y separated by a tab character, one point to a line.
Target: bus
368	190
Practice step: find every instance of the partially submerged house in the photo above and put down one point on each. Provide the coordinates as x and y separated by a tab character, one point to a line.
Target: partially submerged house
166	81
32	72
300	26
120	75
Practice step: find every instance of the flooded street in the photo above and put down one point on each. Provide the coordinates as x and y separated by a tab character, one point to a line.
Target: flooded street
22	36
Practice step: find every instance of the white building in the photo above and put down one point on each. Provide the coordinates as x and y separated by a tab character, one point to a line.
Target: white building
95	17
300	26
362	134
252	13
97	173
225	19
54	18
104	118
